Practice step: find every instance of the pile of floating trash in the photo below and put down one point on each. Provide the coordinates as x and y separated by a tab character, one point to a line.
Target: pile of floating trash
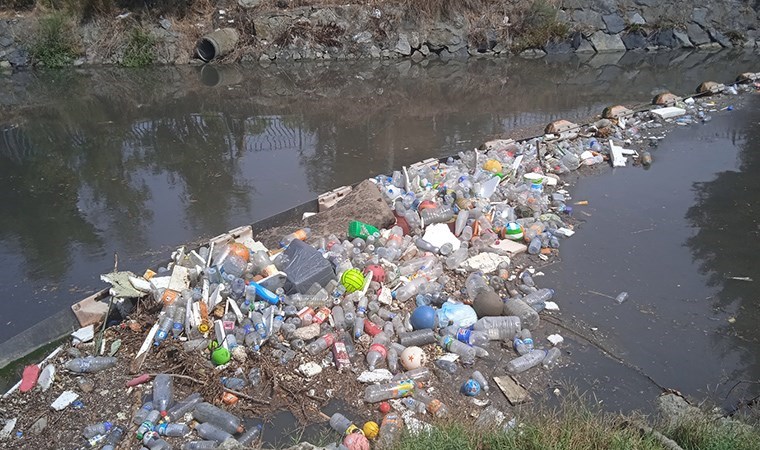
397	298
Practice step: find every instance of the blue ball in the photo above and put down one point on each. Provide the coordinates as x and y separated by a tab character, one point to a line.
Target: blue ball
423	317
471	388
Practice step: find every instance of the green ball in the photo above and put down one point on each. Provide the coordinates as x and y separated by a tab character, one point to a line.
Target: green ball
352	279
220	356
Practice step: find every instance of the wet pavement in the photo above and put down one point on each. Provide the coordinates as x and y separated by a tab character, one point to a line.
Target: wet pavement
104	161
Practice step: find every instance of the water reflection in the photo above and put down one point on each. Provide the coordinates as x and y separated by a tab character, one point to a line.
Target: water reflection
725	219
135	162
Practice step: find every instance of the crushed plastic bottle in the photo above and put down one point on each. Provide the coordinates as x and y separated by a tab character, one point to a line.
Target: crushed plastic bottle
90	364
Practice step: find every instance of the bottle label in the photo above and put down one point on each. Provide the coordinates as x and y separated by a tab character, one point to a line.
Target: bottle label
434	406
371	328
403	389
321	315
463	335
300	234
379	348
169	296
446	344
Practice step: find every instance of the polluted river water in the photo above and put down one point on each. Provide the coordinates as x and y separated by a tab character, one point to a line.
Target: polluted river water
156	167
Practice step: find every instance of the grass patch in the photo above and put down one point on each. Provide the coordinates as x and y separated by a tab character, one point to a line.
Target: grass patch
54	44
573	426
538	25
704	433
140	51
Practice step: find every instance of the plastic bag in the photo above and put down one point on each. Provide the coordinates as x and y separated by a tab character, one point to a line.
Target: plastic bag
457	314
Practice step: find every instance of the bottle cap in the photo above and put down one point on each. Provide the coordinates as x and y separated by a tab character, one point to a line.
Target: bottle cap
220	356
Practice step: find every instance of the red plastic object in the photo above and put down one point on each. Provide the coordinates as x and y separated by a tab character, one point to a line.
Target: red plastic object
385	407
29	378
140	379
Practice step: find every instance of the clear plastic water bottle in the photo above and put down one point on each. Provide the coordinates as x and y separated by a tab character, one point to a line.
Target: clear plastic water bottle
377	350
112	438
468	336
90	364
163	392
413	404
200	445
250	436
499	327
528	316
321	344
551	358
433	405
211	432
477	376
173	429
179	321
183	407
153	441
392	357
525	362
465	352
396	389
339	318
539	296
439	214
206	412
418	375
418	338
96	429
534	248
233	383
165	326
142	413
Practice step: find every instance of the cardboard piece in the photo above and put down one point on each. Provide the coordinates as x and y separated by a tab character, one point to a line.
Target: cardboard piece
515	393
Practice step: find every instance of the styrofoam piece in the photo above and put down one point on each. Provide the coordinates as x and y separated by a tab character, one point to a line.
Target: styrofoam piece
180	279
485	262
555	339
310	369
84	334
10	424
563	231
47	376
64	400
439	234
616	153
551	306
376	376
669	112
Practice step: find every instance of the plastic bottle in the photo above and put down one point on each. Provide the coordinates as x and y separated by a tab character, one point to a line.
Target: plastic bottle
183	407
154	442
525	362
534	248
209	431
528	316
551	357
462	217
521	346
142	413
165	325
173	429
527	338
499	327
258	324
392	357
397	389
90	364
475	283
377	351
467	335
339	318
113	437
390	430
342	425
419	374
321	344
250	436
148	424
200	445
233	266
163	391
206	412
432	405
302	234
262	264
96	429
439	214
233	383
466	353
178	321
418	338
477	376
539	296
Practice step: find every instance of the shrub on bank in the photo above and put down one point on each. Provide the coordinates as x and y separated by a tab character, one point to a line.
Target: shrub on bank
54	43
140	51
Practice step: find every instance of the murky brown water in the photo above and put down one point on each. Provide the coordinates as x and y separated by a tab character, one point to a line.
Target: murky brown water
104	161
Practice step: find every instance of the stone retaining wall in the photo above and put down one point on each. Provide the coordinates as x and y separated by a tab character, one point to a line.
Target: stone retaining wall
361	31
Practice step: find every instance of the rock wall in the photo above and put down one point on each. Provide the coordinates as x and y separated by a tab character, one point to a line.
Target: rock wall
387	32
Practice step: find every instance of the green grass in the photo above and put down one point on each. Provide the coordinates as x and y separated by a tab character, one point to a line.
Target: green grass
574	426
54	43
704	433
538	26
140	51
